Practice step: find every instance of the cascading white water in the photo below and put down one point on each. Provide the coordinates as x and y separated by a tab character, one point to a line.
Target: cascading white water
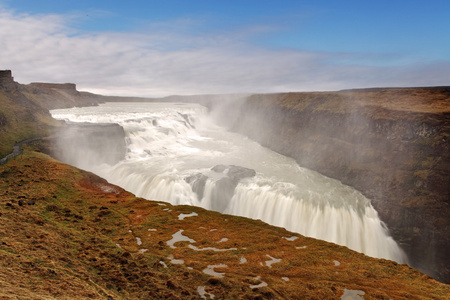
172	149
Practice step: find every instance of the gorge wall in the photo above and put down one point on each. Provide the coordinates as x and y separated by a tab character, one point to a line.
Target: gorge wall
390	144
24	108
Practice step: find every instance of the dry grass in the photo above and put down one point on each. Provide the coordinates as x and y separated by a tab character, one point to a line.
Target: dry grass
65	233
423	100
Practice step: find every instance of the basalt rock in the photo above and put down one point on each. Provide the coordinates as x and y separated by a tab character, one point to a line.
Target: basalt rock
7	81
224	187
197	182
234	172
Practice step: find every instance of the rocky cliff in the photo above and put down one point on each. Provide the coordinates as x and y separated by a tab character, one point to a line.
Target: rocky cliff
24	108
21	118
391	144
64	95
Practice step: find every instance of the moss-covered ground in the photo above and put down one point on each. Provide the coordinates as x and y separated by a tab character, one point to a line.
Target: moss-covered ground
68	234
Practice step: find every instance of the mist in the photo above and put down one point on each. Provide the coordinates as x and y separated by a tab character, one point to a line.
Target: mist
86	144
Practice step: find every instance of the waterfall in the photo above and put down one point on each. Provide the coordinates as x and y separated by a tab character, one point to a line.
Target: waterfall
176	153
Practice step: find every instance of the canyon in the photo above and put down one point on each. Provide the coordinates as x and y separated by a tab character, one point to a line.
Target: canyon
390	144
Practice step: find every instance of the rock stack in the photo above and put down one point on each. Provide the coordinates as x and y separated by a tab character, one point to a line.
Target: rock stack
6	80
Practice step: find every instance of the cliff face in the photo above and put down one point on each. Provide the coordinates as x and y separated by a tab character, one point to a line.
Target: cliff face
392	145
21	118
24	108
64	95
6	80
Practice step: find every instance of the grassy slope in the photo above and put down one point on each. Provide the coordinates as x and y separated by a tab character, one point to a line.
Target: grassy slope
22	119
66	233
24	112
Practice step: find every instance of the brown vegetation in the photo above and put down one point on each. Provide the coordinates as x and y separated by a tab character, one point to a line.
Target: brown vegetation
66	233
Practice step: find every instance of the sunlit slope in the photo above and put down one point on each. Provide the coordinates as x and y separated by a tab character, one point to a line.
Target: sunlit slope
66	233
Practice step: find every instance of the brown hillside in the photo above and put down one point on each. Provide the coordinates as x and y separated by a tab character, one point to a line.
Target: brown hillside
67	234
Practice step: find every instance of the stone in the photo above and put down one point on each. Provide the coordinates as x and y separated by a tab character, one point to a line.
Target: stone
197	182
234	172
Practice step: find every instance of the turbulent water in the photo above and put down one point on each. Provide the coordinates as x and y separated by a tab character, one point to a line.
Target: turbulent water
173	148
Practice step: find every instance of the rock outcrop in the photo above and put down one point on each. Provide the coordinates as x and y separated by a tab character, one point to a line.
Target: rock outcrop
60	95
24	108
21	117
391	144
224	187
6	80
71	87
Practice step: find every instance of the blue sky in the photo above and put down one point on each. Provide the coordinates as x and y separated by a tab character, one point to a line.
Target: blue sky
157	48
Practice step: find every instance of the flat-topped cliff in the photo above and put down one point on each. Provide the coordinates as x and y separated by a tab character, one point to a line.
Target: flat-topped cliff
24	108
62	86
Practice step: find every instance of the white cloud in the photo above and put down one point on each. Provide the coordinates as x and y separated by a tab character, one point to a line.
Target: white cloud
162	60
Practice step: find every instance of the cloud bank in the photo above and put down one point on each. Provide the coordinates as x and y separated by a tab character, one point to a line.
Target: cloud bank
159	60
